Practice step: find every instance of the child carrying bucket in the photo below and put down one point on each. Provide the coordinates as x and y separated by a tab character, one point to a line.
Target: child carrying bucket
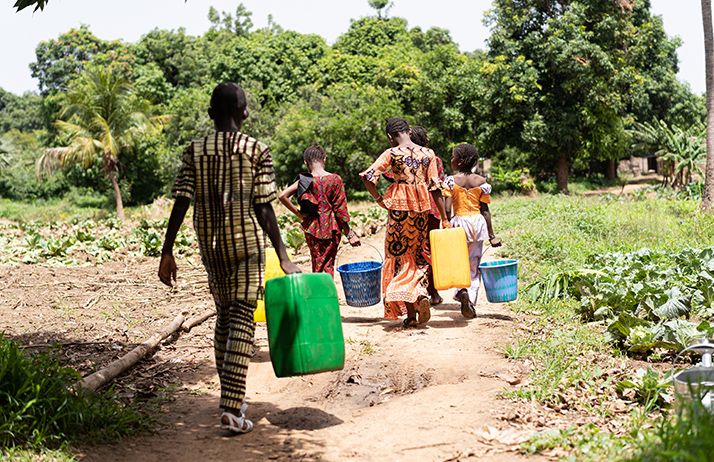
323	210
469	194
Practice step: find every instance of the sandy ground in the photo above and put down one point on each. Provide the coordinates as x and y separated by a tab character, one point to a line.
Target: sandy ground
428	394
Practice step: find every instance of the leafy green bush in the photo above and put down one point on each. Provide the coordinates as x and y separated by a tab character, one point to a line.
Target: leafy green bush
518	181
39	407
646	298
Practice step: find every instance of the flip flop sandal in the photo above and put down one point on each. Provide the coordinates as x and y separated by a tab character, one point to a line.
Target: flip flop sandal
423	308
467	308
436	300
409	323
235	424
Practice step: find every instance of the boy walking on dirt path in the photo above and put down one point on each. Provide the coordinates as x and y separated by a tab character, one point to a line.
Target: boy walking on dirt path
230	175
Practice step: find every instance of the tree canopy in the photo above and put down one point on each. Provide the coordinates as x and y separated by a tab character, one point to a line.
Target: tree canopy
558	89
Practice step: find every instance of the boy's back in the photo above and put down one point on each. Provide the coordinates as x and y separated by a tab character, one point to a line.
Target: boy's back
228	173
231	177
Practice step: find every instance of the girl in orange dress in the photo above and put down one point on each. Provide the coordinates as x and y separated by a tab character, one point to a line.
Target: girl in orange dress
407	261
470	194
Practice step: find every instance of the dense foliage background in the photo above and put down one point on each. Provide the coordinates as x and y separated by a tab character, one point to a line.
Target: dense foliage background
561	89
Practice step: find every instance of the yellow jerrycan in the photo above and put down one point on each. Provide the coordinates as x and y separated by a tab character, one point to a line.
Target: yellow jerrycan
450	258
272	270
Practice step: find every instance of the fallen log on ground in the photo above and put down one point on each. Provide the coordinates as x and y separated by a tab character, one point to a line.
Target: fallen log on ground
196	320
103	376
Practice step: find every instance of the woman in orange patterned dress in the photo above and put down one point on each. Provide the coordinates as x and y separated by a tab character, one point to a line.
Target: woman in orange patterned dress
407	261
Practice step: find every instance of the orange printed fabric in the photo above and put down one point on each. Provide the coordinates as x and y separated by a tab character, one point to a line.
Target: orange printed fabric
415	174
405	275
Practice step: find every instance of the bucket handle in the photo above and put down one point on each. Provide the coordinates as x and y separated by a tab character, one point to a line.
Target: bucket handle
703	345
363	243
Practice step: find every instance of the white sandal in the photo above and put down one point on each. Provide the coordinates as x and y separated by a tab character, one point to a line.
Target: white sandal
237	424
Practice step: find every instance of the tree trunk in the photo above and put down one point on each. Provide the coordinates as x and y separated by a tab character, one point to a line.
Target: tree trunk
114	177
611	173
708	194
562	170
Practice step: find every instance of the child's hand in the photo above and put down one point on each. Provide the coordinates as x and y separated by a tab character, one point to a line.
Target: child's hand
300	216
445	224
353	239
495	242
168	269
289	267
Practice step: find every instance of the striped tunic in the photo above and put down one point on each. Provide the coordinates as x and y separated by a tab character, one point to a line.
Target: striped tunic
227	173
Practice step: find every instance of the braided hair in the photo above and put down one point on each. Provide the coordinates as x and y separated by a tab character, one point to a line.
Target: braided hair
314	153
396	125
419	136
466	156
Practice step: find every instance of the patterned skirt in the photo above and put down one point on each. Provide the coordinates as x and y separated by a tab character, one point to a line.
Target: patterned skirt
323	252
407	261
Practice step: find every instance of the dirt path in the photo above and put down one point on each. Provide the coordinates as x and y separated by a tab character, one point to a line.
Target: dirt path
423	394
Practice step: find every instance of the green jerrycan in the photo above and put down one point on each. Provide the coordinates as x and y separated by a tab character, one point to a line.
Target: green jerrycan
304	324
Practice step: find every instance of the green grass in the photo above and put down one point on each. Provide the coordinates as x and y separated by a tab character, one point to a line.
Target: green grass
560	348
561	232
49	210
41	409
549	234
35	455
682	437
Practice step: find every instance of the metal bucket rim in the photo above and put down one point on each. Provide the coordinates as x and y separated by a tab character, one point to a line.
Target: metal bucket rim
677	378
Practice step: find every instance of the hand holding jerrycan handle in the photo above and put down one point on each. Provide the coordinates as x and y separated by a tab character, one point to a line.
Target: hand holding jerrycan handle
272	270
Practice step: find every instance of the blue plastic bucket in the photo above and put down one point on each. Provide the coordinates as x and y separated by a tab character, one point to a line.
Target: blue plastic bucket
500	279
362	282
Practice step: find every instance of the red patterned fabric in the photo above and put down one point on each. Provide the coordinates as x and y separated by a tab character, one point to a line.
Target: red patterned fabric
328	192
323	253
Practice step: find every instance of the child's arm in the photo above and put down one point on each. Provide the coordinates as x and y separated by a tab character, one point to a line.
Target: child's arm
266	219
285	196
486	212
167	267
339	209
438	200
447	206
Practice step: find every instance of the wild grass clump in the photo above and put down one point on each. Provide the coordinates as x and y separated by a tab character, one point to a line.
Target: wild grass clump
683	437
40	409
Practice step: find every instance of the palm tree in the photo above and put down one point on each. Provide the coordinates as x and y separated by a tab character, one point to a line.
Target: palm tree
101	118
708	194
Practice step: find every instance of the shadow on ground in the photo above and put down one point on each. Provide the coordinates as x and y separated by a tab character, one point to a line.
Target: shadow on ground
193	434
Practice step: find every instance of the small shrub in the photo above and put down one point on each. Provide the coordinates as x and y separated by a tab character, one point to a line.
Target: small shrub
518	181
39	407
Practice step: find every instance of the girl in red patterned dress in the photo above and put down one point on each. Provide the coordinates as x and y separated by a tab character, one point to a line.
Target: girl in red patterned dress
323	210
